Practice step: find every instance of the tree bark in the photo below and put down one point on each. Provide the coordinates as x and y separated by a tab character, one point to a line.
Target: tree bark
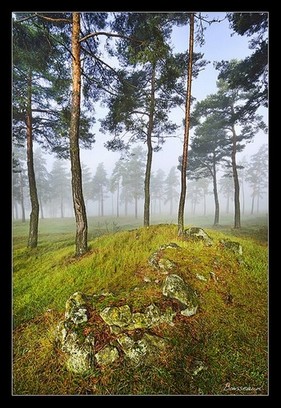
76	174
146	213
117	203
41	208
186	129
22	199
34	215
237	220
216	195
136	207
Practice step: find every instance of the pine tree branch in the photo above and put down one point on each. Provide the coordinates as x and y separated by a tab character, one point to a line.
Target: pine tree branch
86	37
55	20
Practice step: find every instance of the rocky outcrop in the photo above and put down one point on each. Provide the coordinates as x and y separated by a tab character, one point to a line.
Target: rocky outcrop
198	234
175	288
93	336
232	246
162	263
77	340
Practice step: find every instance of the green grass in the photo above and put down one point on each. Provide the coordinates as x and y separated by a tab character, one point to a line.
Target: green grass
228	334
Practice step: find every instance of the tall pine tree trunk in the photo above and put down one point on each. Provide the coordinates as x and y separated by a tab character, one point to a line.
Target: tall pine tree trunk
41	208
136	207
216	195
76	175
253	203
237	221
117	203
34	215
22	199
146	213
186	129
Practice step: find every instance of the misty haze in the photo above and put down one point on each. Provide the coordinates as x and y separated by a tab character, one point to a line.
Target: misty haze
140	203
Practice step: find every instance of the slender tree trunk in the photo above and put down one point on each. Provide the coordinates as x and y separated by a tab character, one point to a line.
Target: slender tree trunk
253	204
227	203
160	206
146	213
237	221
41	208
34	215
126	207
76	175
101	201
204	202
16	213
22	199
243	198
61	207
117	203
136	207
171	206
216	195
186	129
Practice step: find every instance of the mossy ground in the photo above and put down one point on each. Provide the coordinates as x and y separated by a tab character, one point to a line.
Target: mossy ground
228	335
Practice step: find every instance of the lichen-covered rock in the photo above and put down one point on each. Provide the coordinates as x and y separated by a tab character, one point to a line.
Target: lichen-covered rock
175	287
232	245
117	316
138	351
76	308
198	234
107	355
159	262
189	311
80	354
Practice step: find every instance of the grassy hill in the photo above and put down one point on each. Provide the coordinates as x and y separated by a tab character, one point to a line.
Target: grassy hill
228	335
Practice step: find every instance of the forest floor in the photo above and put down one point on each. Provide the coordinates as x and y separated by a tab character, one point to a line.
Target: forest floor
229	334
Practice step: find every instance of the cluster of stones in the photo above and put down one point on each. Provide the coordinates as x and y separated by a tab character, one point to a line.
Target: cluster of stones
79	349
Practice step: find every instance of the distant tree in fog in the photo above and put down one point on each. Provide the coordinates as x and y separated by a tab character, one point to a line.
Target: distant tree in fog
208	149
257	175
60	185
227	188
115	183
100	185
42	179
157	188
20	181
87	182
171	192
240	125
133	177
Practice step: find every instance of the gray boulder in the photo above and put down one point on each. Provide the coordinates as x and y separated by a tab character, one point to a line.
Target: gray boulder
76	308
107	355
232	246
198	234
175	288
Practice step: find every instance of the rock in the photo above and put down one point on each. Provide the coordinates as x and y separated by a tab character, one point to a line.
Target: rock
201	277
175	287
137	351
165	265
189	311
107	355
158	261
76	308
153	315
118	316
232	245
80	354
198	234
138	321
